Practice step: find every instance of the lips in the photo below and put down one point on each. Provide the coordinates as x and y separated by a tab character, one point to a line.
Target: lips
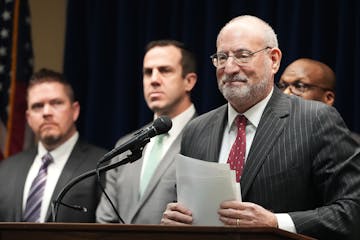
235	78
155	94
45	126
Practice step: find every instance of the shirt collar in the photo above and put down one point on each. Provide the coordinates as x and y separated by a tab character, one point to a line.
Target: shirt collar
62	149
179	122
253	114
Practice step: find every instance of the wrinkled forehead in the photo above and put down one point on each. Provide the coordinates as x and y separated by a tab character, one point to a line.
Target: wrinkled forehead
240	35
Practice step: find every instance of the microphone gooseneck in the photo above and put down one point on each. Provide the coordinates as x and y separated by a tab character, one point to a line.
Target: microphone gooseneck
136	144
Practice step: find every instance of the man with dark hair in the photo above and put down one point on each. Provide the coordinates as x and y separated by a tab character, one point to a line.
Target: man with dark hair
312	80
30	180
309	79
141	190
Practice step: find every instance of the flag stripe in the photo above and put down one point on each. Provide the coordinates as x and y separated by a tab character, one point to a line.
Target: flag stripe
15	71
12	76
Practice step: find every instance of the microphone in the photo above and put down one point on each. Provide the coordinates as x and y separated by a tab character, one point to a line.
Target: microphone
136	143
161	125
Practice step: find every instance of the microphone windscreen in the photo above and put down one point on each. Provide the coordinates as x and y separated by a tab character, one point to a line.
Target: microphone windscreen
162	124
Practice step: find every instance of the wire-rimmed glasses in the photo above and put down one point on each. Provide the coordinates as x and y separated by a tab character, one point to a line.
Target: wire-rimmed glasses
241	56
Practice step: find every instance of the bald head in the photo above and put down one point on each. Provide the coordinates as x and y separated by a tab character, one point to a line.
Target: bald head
256	26
317	76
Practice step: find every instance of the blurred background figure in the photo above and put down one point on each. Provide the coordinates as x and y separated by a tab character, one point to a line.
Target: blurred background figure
310	79
30	180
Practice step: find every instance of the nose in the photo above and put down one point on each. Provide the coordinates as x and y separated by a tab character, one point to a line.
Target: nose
155	76
47	109
231	66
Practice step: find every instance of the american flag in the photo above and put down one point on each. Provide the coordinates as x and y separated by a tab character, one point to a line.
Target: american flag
16	66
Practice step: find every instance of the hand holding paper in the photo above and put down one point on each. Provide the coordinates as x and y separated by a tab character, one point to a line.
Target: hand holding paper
202	186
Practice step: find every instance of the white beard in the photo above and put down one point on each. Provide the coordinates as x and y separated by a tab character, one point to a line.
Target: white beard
244	95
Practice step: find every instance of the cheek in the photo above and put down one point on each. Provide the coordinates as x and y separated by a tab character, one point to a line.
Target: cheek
219	75
33	121
308	96
148	87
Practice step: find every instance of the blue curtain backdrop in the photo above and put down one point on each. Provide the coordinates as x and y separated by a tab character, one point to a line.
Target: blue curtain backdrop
105	43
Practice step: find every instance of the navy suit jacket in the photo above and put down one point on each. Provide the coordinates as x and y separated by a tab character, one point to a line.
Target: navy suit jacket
13	173
302	161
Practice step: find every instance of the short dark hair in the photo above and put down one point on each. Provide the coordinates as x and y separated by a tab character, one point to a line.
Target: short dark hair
45	75
188	61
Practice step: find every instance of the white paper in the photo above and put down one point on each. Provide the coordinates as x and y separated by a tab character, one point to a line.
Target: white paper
202	186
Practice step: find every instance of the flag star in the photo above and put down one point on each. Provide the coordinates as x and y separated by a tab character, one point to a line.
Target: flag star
2	51
6	15
4	33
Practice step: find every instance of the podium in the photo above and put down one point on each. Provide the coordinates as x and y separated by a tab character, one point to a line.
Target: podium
79	231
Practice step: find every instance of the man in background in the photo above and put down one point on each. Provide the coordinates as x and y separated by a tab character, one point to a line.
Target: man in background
310	79
141	190
296	163
30	180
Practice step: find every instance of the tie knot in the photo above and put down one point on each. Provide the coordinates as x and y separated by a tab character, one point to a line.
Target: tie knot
240	121
160	138
46	160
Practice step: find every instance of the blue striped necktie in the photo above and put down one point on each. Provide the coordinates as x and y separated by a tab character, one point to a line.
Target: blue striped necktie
36	192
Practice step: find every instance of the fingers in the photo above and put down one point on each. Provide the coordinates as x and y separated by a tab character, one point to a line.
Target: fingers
176	214
245	214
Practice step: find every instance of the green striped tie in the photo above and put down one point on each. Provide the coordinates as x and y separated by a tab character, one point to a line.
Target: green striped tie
152	162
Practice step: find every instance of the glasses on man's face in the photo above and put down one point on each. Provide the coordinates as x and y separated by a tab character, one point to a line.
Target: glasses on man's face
240	57
298	88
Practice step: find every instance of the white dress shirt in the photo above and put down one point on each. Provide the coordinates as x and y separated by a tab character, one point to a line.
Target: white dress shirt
253	115
60	156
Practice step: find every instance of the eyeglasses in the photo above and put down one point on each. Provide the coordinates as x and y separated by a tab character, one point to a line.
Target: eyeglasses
240	56
298	87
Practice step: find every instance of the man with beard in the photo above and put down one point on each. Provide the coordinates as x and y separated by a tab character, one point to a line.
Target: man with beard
30	180
298	167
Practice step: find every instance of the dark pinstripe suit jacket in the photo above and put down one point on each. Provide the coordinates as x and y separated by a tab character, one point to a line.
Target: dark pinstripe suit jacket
13	173
302	161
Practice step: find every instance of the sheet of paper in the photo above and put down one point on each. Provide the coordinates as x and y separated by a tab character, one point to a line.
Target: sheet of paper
202	186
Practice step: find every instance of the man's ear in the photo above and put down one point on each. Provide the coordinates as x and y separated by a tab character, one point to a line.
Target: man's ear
190	81
276	59
329	98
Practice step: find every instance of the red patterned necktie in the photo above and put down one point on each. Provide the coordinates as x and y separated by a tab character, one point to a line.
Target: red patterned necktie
236	158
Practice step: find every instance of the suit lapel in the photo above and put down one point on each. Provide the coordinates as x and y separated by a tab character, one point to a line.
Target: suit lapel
134	189
22	172
164	164
270	127
68	173
216	132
